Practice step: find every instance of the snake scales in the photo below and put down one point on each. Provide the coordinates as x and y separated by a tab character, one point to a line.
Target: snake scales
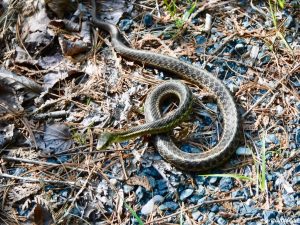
163	142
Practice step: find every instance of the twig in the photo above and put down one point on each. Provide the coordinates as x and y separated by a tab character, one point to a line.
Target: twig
29	179
36	162
196	206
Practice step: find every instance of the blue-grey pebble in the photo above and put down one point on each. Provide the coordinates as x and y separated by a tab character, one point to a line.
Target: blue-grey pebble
269	214
221	221
170	205
226	184
127	188
289	200
148	20
125	24
214	209
242	150
296	180
186	193
213	180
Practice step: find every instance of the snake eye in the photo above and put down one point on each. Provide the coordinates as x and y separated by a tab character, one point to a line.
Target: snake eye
104	140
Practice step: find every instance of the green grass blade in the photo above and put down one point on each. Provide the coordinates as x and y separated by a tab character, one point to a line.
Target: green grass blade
133	213
263	166
281	3
232	175
285	42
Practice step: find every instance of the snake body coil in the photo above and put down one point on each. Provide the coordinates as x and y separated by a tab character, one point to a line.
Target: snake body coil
163	142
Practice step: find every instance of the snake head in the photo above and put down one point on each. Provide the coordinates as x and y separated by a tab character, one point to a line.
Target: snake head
104	140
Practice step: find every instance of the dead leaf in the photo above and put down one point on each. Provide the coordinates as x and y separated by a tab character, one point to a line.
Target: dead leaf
42	215
140	181
57	138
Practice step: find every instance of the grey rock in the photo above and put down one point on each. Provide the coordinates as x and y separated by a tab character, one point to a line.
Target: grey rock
289	22
215	209
125	24
150	205
297	138
169	206
226	184
272	138
296	180
127	188
221	221
185	194
269	214
289	200
213	180
243	151
254	52
196	215
148	20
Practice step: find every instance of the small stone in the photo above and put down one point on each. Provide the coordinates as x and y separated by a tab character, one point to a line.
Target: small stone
249	210
221	221
296	180
196	214
297	168
289	200
272	138
250	202
200	39
297	137
269	214
213	180
139	193
125	24
289	22
150	205
200	50
279	110
265	60
243	151
239	46
161	184
127	188
185	194
185	59
254	52
200	191
148	20
287	166
189	148
226	184
169	206
211	216
289	39
199	180
215	209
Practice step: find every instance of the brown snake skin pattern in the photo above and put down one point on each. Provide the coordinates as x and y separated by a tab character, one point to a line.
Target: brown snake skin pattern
169	151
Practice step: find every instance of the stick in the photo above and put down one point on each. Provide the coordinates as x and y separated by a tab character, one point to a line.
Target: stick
29	179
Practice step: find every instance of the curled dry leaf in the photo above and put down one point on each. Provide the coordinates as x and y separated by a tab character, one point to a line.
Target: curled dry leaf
57	138
20	83
141	181
42	215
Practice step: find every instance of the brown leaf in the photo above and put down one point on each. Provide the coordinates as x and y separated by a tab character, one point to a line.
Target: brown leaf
42	216
140	181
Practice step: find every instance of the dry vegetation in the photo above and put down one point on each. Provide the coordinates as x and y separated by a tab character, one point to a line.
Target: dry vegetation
72	85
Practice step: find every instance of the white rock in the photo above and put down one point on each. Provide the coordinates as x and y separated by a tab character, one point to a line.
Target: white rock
254	52
150	205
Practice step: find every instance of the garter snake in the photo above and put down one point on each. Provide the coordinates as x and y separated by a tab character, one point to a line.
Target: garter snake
163	142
